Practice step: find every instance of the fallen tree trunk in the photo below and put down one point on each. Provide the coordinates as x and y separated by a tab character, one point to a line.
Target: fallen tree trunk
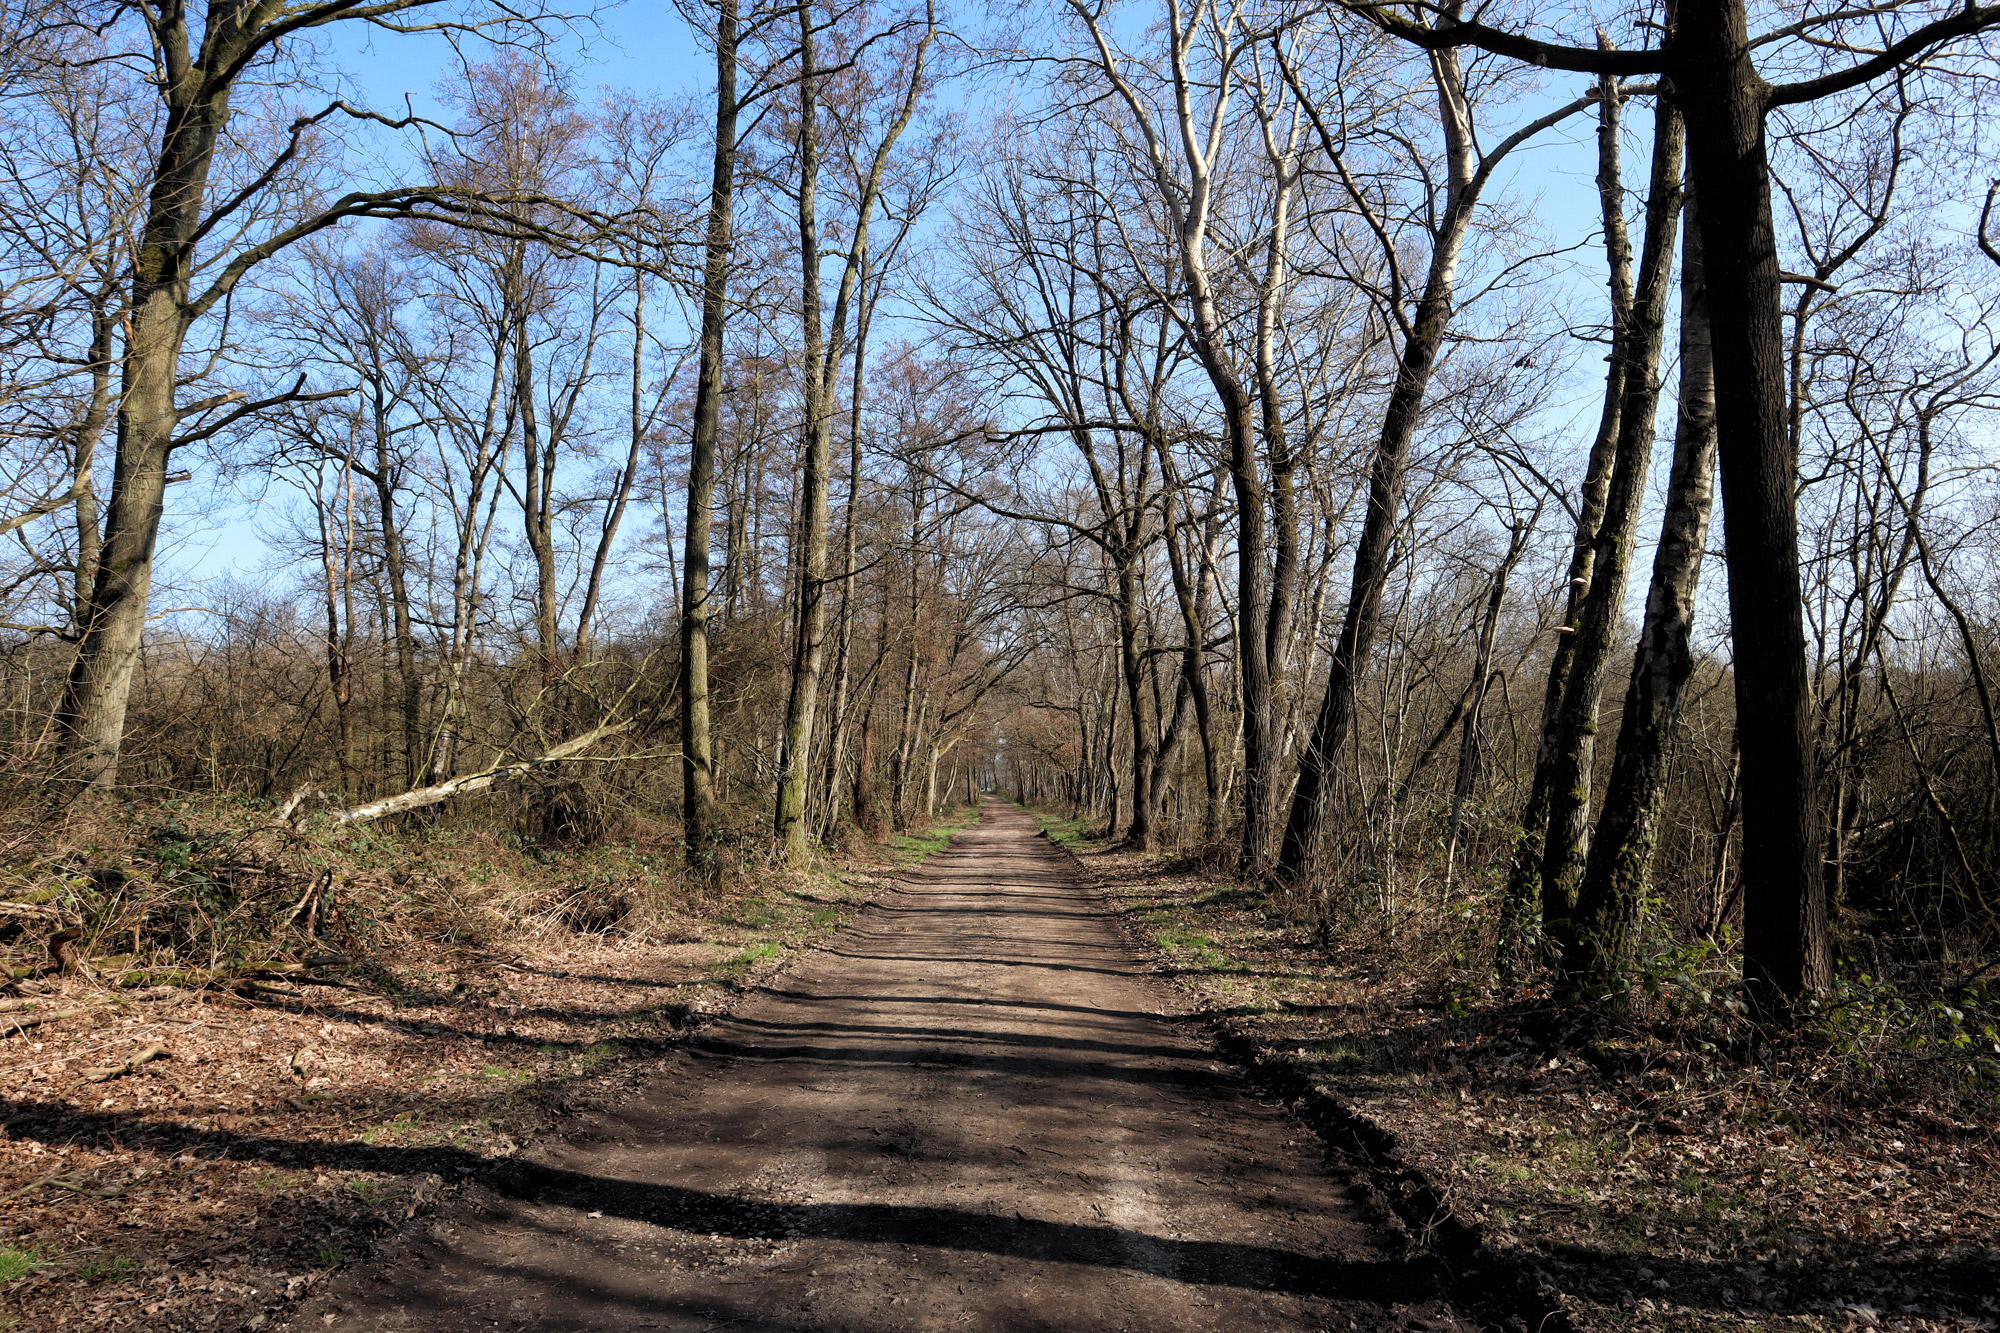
470	782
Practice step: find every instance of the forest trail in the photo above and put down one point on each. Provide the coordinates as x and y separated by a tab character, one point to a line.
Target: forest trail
966	1112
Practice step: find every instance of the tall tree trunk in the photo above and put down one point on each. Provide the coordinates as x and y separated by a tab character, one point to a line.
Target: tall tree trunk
820	351
906	738
844	643
1277	447
336	567
1621	854
91	717
409	683
697	753
867	814
1253	675
1385	482
1637	346
1787	951
83	457
1132	662
815	448
537	500
1524	875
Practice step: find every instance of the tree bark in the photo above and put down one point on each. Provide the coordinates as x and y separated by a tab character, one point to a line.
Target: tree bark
1636	346
1145	727
91	717
844	643
697	752
809	620
1612	894
1787	952
1524	874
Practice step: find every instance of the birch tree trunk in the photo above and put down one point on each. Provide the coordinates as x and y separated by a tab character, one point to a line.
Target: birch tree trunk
1621	854
1637	346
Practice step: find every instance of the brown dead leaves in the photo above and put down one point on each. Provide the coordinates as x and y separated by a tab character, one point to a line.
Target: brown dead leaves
1659	1185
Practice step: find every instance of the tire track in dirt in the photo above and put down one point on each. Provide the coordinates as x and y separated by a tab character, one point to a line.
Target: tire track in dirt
966	1112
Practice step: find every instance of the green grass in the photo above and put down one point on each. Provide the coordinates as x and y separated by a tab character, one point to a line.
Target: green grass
17	1264
911	848
734	966
757	913
501	1074
406	1123
108	1267
330	1255
1067	832
1192	949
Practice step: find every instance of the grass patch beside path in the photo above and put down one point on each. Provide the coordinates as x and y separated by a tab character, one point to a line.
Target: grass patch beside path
1076	834
1657	1185
911	848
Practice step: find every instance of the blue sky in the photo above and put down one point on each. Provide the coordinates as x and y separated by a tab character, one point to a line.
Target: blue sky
644	46
640	46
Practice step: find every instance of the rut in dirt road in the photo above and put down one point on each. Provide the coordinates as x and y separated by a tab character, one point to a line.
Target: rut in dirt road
967	1112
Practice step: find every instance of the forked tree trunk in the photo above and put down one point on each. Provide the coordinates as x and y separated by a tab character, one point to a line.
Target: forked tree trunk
1524	875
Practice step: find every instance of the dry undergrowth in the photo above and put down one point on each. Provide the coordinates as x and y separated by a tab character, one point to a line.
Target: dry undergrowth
1655	1183
455	998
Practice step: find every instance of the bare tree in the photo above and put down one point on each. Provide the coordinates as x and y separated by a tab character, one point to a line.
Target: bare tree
174	286
1708	52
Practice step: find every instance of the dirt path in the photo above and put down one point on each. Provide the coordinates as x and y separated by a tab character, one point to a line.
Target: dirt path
966	1112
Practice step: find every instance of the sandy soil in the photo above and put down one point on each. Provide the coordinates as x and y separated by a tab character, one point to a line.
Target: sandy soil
971	1110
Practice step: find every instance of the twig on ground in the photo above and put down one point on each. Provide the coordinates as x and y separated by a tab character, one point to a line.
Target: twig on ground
105	1073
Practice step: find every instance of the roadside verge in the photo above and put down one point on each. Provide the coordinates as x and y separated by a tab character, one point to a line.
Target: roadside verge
1580	1172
